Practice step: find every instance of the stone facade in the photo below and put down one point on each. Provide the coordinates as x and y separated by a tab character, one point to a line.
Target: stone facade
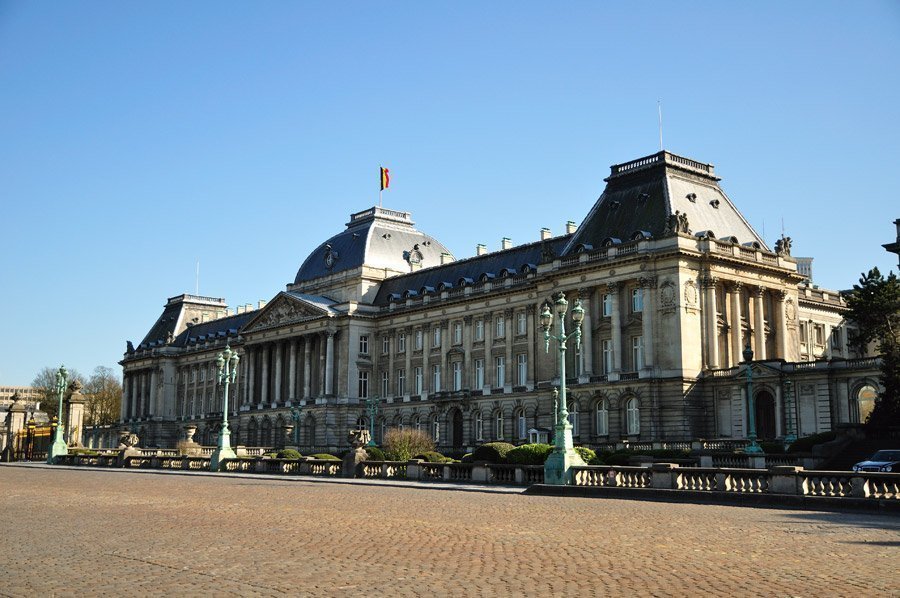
674	283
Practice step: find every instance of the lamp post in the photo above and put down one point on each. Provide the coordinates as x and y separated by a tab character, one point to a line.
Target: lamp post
227	362
295	416
753	447
58	448
789	410
29	453
557	468
372	408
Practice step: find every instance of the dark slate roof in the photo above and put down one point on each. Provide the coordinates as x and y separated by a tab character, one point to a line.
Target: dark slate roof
515	260
221	328
376	237
641	194
163	326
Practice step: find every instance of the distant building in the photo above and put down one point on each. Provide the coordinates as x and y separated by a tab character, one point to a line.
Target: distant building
804	268
674	281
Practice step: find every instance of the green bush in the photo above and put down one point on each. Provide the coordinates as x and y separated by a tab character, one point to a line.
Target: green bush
587	455
433	457
805	444
772	448
529	454
467	458
270	455
325	456
622	457
401	445
373	453
288	454
492	452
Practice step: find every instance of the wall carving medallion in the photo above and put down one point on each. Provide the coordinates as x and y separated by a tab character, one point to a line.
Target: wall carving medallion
789	310
690	293
667	294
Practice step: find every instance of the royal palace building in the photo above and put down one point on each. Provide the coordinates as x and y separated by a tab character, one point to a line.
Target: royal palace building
675	284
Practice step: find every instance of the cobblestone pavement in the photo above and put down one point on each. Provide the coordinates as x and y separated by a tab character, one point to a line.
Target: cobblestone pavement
101	533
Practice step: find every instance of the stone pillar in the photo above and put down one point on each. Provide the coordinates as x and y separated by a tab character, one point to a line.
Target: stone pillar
737	340
829	350
712	324
184	397
780	327
615	322
445	365
468	370
150	403
648	284
74	414
307	365
251	375
587	335
329	363
15	422
407	356
426	350
392	350
510	369
292	371
278	348
532	358
264	379
759	324
489	369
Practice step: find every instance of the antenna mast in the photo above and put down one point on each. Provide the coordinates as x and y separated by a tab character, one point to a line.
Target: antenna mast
659	111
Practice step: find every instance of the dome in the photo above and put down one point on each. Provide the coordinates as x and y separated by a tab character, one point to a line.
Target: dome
377	238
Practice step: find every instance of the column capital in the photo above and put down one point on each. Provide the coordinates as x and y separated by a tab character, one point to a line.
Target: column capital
779	295
508	313
530	309
708	281
467	319
613	287
647	282
735	286
758	291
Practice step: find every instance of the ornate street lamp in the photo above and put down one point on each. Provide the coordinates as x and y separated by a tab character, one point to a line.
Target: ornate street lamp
790	411
227	363
753	447
372	408
29	453
58	448
557	468
295	417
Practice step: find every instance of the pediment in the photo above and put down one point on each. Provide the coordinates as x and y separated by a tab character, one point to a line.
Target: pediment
285	309
759	370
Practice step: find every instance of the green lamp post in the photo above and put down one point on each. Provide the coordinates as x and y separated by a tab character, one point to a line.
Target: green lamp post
295	416
58	448
753	448
372	409
557	468
790	412
227	362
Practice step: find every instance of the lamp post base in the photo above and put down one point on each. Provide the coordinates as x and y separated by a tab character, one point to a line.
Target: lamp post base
223	451
753	448
557	467
57	449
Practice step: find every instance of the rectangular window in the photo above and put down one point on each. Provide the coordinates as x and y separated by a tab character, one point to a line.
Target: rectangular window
606	345
363	385
436	337
607	305
498	425
401	381
637	352
479	374
385	345
418	379
457	375
479	330
457	333
479	426
202	374
418	340
521	369
385	384
401	342
521	323
820	334
804	338
637	300
500	368
363	344
193	375
500	327
435	378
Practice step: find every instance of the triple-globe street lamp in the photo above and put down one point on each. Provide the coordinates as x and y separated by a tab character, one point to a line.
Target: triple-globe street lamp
227	362
58	448
372	409
753	447
557	468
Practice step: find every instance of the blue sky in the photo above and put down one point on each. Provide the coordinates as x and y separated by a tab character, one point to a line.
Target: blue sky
139	138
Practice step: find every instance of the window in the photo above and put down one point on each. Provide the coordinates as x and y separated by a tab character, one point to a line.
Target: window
457	375
479	374
385	384
417	423
637	300
632	416
479	330
479	426
607	305
498	425
401	381
363	385
521	369
521	323
435	429
637	352
436	337
574	420
435	378
193	375
500	366
521	424
606	347
363	344
819	330
401	342
836	340
500	327
418	340
602	419
457	333
202	374
385	345
804	338
417	379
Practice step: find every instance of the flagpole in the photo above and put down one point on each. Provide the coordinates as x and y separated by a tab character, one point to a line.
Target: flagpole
380	183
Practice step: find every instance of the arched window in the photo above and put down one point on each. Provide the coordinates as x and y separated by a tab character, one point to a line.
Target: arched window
632	417
865	402
417	423
521	424
479	426
498	425
362	423
602	418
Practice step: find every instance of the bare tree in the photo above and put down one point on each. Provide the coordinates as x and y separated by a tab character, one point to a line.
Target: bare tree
103	397
45	383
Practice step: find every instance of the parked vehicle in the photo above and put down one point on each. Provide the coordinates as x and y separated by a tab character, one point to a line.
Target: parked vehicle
884	460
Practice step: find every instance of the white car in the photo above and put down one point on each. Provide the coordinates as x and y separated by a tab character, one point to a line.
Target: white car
884	460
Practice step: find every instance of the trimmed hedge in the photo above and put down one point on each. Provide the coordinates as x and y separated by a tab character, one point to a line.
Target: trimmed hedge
587	454
324	456
621	457
805	444
433	457
373	453
529	454
288	454
492	452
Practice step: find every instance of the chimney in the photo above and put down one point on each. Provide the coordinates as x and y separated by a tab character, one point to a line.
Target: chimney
446	258
262	303
248	307
480	249
545	234
571	227
505	243
228	312
240	309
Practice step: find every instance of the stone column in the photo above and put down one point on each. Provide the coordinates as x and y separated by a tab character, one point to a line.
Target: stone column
251	374
292	371
468	370
712	324
648	284
264	379
445	365
510	369
532	358
759	324
780	327
587	335
329	363
489	369
407	357
154	388
184	396
307	365
392	351
74	414
829	350
615	325
426	369
737	341
278	348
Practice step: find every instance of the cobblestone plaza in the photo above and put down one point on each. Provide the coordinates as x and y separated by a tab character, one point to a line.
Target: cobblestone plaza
140	533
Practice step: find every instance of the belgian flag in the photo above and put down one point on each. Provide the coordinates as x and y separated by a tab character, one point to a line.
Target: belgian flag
385	178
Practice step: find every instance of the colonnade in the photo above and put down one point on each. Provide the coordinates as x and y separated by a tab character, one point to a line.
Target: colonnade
278	372
140	393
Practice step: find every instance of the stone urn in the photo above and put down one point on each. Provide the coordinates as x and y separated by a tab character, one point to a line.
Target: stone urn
352	460
188	446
